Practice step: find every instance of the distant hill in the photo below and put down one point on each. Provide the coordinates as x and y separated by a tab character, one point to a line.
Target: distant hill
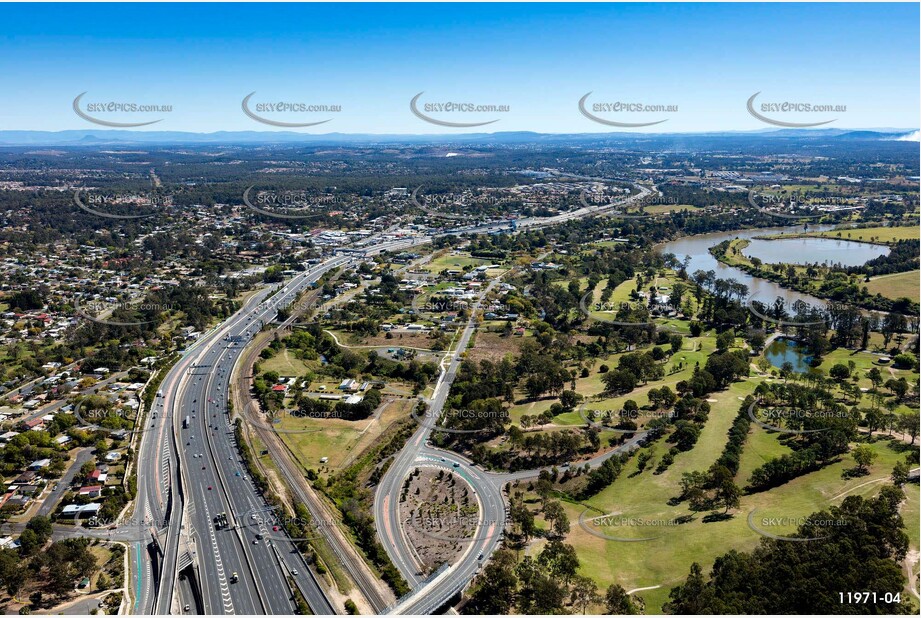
97	137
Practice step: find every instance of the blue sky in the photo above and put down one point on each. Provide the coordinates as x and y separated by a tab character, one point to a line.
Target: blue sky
538	59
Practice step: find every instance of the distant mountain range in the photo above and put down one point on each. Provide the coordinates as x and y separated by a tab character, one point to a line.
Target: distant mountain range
93	137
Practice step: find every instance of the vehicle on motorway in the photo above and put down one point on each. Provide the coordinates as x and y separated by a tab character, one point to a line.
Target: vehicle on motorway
234	578
185	423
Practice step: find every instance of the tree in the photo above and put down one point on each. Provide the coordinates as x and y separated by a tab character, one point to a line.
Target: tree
693	486
685	435
584	592
761	582
839	372
662	398
875	376
727	366
569	399
522	517
497	587
12	575
556	516
908	423
559	559
539	592
29	542
725	340
728	494
87	468
544	487
691	597
618	602
898	387
863	456
41	526
900	473
675	342
619	381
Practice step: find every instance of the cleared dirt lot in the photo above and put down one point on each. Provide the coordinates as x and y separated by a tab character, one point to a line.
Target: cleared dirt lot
439	514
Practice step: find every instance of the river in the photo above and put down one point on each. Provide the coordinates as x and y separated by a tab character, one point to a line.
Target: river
814	251
698	247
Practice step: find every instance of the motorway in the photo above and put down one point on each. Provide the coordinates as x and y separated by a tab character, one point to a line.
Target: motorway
218	483
187	476
377	594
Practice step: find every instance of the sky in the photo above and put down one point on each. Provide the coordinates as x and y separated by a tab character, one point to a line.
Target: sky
702	62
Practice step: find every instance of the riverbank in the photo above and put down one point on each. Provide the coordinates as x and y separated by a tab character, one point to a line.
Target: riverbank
886	236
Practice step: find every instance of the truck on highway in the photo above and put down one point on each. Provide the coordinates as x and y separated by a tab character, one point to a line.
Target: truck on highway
185	423
220	520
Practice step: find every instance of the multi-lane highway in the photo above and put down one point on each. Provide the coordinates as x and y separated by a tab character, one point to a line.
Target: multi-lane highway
217	483
190	472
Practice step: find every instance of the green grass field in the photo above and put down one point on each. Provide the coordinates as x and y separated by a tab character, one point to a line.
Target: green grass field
666	559
310	439
453	262
877	235
898	285
695	350
881	235
663	208
285	363
761	446
622	294
863	362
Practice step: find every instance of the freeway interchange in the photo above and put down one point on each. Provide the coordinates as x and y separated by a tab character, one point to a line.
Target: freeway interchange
190	473
200	536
